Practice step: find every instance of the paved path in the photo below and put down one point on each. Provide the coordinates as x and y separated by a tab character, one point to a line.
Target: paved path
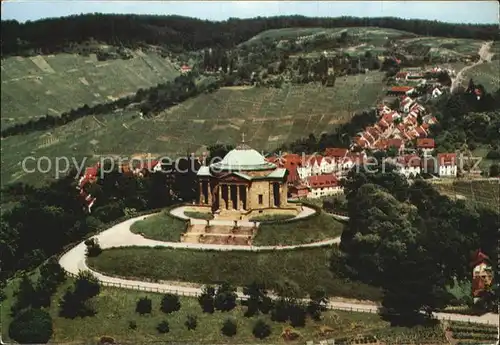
120	236
179	212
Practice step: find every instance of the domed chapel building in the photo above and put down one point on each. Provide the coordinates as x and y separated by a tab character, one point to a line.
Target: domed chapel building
244	185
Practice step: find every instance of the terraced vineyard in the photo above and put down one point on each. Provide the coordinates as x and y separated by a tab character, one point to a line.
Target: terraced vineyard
52	84
484	193
269	117
472	334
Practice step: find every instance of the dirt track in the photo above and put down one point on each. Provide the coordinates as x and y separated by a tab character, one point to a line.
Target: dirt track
485	56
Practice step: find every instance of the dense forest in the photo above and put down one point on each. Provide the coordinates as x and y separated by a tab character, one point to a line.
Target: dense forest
180	34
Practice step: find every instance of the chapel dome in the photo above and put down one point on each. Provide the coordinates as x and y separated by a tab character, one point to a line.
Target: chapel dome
243	157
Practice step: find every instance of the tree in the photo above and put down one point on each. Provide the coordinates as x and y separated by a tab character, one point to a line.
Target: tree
143	306
170	303
229	328
257	299
206	299
86	285
297	314
25	295
163	327
225	297
317	303
191	322
261	329
32	326
494	170
93	247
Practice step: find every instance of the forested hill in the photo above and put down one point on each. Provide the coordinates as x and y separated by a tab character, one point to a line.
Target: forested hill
183	33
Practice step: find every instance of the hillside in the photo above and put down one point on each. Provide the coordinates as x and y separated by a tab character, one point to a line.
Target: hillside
486	74
53	84
270	117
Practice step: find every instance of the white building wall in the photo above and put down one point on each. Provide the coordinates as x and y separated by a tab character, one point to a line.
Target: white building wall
325	191
448	170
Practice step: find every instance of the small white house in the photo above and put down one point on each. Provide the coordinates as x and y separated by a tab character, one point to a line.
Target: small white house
323	185
447	163
409	166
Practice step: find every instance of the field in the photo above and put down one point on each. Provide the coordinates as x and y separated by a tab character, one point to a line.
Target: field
482	193
116	308
269	117
162	227
316	228
52	84
309	268
485	74
453	47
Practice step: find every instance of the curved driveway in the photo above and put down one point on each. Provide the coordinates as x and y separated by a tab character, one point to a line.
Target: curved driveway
120	236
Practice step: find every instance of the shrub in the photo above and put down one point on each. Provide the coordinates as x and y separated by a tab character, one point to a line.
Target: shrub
229	328
31	326
132	324
206	299
170	303
93	247
191	322
163	327
297	315
261	329
86	285
225	298
143	306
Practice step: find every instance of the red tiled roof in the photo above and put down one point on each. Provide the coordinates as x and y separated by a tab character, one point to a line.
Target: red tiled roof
400	88
293	176
319	181
426	143
478	257
421	132
185	68
447	159
148	164
336	152
401	74
397	143
91	171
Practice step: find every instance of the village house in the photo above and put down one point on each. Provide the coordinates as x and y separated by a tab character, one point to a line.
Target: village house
149	166
299	191
400	90
427	145
185	69
88	177
482	274
436	92
409	165
447	163
323	185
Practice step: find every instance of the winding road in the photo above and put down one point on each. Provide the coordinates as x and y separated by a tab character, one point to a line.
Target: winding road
485	56
120	236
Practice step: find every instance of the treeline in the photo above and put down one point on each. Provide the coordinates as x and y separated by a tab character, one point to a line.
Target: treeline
463	118
412	241
182	34
150	101
46	219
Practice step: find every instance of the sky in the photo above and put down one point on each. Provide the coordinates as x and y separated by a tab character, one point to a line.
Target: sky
480	12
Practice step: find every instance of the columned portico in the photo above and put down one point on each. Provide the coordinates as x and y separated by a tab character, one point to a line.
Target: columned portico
244	185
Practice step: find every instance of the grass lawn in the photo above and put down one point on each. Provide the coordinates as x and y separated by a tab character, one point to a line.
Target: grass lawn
199	215
485	74
116	308
161	227
309	268
319	227
271	217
